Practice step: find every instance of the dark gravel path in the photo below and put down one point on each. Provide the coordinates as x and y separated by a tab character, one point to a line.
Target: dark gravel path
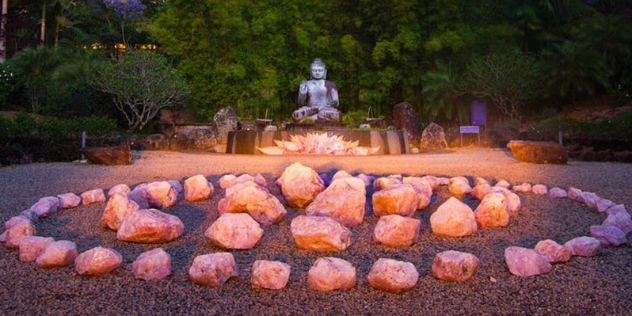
600	285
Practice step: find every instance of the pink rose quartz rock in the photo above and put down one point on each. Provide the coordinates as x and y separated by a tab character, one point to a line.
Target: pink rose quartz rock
443	181
15	229
481	190
557	193
227	181
513	200
434	181
453	218
525	187
574	193
618	209
249	197
423	188
330	274
213	270
270	275
584	246
300	185
396	231
176	185
98	261
384	183
604	204
400	199
30	214
161	194
459	186
344	200
197	188
139	195
32	247
150	226
340	174
525	262
93	196
59	253
620	220
589	199
608	235
492	211
234	231
45	206
117	208
152	265
69	200
120	189
393	276
503	184
553	251
368	180
454	266
319	233
539	189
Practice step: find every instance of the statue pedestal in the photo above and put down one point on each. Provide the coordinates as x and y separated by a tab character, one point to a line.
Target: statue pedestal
247	142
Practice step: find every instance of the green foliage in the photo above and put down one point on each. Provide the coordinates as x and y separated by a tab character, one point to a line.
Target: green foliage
617	129
141	85
353	118
442	92
508	79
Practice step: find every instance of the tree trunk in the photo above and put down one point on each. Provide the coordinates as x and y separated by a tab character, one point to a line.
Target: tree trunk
3	35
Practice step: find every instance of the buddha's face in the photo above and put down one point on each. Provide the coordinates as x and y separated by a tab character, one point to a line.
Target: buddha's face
318	72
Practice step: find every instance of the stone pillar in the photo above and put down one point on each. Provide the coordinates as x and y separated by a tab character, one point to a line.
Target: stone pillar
406	119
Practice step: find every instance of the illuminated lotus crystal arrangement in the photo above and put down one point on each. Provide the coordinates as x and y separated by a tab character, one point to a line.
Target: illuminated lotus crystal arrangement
318	144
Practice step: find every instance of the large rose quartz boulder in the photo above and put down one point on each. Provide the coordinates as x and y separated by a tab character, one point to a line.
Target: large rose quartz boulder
117	208
234	231
32	247
249	197
604	204
69	200
319	233
344	200
393	276
300	185
453	218
139	195
59	253
154	264
480	190
150	226
93	196
214	269
608	235
525	262
98	261
16	228
270	275
160	194
197	188
454	266
584	246
553	251
330	274
396	231
399	199
492	211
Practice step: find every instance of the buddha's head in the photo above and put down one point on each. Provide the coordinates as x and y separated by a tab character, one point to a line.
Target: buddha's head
318	70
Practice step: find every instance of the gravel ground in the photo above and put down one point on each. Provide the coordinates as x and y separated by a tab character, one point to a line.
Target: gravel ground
600	285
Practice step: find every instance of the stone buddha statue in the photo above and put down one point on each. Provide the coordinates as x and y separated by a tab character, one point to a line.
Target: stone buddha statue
317	97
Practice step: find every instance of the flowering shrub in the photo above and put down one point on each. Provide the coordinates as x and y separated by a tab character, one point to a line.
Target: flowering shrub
126	10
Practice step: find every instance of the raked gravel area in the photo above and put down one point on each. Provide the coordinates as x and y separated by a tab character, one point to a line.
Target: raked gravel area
600	285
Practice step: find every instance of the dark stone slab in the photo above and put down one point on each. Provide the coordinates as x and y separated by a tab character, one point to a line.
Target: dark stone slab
433	138
538	152
406	119
110	156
